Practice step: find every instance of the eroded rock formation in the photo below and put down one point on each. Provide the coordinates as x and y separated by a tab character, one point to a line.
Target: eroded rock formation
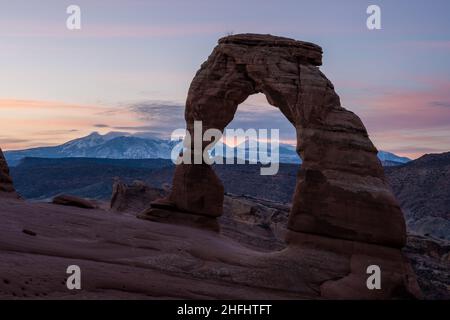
341	191
133	198
342	204
6	184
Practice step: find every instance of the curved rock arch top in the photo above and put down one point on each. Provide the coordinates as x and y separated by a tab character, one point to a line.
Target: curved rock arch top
341	191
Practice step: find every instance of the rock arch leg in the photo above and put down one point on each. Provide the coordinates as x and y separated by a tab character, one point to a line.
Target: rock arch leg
215	93
341	190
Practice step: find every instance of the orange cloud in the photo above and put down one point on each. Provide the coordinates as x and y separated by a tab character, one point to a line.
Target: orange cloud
408	122
27	123
410	109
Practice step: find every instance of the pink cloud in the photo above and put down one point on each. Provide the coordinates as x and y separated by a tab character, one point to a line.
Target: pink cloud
26	123
408	122
410	109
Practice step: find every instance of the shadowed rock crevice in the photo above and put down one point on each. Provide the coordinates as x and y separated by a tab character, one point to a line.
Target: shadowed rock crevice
6	183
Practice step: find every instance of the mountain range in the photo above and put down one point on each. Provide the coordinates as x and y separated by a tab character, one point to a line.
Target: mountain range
122	145
114	145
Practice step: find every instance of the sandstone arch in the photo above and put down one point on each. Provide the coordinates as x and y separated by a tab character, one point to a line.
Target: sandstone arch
341	191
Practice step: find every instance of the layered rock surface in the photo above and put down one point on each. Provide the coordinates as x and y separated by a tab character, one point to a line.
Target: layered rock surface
122	257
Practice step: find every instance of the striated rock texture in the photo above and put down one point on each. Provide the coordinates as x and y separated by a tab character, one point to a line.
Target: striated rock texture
6	184
341	190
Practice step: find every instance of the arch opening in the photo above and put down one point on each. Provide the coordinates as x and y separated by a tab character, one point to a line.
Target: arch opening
259	134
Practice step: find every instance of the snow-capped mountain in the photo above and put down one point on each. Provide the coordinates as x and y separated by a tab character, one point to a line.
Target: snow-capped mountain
388	157
123	145
114	145
285	154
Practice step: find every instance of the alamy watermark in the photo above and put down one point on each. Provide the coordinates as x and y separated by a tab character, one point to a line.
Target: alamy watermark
374	280
73	22
374	20
73	282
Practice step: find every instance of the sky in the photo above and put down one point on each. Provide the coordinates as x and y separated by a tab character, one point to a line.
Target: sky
130	66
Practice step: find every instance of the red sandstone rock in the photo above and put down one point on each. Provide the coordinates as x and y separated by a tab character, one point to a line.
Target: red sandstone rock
197	189
6	183
397	277
341	190
133	198
127	258
344	216
72	201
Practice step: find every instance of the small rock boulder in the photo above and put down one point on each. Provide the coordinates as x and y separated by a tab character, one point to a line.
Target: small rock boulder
73	201
134	198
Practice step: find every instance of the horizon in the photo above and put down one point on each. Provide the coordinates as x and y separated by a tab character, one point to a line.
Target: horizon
130	66
145	135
